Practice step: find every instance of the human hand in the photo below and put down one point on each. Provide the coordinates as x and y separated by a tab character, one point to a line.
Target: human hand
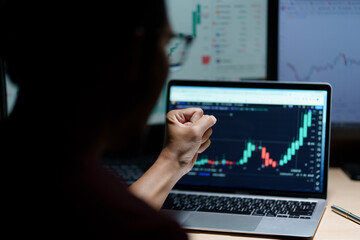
188	132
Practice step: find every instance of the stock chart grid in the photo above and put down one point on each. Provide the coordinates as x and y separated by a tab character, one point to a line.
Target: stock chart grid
258	146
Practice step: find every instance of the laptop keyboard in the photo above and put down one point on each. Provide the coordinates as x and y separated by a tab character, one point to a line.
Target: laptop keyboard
132	169
237	205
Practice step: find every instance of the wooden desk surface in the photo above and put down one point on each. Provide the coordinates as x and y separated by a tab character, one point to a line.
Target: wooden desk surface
342	191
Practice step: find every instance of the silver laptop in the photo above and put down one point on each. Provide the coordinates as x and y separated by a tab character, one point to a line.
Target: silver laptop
266	170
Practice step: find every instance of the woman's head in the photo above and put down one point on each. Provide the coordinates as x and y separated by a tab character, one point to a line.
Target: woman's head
70	36
101	61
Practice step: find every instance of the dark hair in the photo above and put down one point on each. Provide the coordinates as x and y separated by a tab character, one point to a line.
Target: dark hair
62	40
56	52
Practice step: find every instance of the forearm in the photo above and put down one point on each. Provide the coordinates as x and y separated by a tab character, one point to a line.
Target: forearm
156	183
188	132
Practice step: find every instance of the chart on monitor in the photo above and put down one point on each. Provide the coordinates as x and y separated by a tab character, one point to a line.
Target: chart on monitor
319	42
230	41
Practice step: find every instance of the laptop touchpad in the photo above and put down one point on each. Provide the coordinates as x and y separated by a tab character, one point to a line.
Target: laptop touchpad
226	222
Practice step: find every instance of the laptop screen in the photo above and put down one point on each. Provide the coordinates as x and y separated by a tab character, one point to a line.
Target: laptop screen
267	136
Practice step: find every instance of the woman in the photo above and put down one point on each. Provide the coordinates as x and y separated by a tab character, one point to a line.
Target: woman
89	75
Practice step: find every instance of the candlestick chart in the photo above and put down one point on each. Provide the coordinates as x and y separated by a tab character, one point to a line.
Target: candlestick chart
250	147
262	143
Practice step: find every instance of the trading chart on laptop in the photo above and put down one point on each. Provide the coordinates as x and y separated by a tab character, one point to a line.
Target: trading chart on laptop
262	138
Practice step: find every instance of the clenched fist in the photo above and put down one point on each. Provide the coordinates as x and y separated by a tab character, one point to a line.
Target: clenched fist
187	134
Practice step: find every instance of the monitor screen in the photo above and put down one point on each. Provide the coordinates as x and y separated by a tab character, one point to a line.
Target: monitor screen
319	42
230	41
264	137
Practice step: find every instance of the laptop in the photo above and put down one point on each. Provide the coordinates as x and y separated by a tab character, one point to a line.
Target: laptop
266	170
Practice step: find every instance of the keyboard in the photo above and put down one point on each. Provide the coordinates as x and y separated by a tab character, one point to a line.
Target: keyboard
239	205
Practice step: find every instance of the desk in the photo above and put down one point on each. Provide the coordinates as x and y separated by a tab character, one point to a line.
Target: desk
342	191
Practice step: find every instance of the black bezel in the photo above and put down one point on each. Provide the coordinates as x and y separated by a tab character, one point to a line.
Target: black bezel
3	100
270	85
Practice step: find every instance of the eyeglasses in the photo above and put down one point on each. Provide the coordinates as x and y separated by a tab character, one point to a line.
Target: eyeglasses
176	50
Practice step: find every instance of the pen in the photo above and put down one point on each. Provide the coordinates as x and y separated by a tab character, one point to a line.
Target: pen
346	214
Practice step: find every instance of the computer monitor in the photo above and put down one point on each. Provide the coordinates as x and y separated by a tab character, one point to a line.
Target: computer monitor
231	42
318	41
